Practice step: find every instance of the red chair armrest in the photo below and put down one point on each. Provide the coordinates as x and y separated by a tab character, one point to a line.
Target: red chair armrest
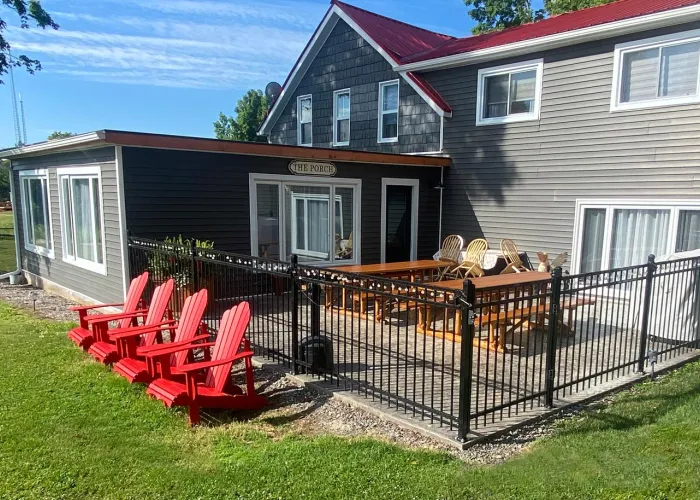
105	318
99	306
123	333
191	367
153	351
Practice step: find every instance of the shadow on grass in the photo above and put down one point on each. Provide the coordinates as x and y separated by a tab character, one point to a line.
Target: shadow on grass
634	410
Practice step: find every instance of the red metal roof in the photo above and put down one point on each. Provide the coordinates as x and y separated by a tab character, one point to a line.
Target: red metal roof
398	39
616	11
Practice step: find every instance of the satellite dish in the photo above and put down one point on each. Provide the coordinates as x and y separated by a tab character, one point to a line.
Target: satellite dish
273	90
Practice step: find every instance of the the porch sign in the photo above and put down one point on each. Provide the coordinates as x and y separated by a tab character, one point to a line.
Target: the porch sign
305	167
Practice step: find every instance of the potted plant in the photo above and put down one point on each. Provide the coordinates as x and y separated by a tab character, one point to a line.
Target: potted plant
175	261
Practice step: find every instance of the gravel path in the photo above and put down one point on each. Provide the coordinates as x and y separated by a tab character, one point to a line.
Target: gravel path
297	409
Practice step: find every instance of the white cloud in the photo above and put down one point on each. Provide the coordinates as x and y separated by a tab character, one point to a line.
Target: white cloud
172	44
305	14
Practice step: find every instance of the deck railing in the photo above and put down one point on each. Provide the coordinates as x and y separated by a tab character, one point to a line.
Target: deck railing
461	359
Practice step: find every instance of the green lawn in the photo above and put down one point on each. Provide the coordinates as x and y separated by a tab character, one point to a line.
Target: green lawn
7	243
70	428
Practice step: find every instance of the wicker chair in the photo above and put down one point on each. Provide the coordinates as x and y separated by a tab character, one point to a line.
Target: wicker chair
512	257
451	252
471	265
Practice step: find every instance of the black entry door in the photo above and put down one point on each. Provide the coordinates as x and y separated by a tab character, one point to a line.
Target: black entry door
398	223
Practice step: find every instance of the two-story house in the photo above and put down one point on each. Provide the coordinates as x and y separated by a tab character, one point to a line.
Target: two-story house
579	133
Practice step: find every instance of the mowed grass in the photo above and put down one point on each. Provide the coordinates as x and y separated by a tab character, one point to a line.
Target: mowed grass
69	428
8	260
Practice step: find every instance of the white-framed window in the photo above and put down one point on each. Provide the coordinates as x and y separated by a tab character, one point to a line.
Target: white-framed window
310	227
388	111
82	221
36	206
660	71
341	117
510	93
293	215
305	120
610	234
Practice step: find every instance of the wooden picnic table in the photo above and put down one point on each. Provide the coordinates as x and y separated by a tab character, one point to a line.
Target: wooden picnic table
406	270
496	319
411	268
497	281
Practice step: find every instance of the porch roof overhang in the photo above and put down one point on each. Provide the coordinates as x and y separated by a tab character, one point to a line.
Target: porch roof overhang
186	143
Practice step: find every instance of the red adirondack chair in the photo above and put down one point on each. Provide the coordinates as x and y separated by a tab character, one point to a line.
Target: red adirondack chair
83	335
215	389
107	351
135	364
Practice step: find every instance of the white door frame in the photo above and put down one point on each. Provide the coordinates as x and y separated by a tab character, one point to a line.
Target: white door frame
415	184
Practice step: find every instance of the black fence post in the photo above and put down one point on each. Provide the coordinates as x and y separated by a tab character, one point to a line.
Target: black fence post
195	277
550	361
644	333
294	271
466	360
315	310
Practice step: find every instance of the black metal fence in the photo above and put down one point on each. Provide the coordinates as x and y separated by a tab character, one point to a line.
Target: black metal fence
460	358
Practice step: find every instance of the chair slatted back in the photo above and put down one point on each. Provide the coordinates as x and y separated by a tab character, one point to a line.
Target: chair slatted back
234	324
452	248
133	297
476	251
189	322
156	311
510	253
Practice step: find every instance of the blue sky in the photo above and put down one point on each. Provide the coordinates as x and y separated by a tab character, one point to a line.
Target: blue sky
170	66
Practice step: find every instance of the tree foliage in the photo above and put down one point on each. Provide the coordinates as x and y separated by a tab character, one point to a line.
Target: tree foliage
250	113
58	134
28	11
494	15
4	180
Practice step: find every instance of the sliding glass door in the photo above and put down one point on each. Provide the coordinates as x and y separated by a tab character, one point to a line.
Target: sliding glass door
615	235
317	220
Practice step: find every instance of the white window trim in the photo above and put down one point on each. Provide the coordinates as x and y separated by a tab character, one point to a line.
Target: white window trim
335	117
674	206
307	197
41	174
299	99
415	184
650	43
535	64
280	180
88	171
381	112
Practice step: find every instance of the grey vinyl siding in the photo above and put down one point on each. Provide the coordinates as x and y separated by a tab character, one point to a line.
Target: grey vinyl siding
102	288
346	60
206	196
522	180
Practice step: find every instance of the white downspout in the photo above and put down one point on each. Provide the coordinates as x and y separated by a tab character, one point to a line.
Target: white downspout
442	188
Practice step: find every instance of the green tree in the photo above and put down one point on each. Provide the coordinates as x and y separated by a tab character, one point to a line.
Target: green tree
493	15
27	11
4	180
250	113
57	134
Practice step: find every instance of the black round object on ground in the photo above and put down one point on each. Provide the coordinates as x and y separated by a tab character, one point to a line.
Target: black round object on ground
317	353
